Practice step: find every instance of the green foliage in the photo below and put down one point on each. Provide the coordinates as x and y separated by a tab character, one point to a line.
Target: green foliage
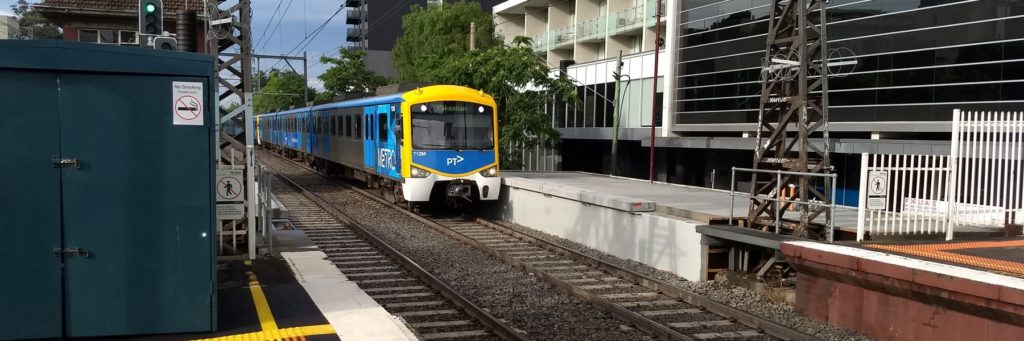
348	73
521	85
437	34
32	24
280	90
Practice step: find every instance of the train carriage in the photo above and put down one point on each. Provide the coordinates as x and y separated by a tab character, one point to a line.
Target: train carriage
434	141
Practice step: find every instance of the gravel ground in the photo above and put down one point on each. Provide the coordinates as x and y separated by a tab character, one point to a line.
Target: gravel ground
544	313
747	300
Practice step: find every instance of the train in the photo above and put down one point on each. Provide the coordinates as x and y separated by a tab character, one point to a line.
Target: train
433	143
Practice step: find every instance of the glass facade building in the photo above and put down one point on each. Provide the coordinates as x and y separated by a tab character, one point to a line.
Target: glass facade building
917	59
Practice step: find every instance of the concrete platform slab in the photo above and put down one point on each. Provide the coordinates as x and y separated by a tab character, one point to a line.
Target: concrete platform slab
689	202
352	312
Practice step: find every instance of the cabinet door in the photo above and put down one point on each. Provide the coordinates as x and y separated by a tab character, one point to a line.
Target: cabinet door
30	282
140	204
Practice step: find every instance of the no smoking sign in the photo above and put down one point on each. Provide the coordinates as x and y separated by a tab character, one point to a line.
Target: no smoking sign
187	108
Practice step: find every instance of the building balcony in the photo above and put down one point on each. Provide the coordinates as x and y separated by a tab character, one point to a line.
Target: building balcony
626	20
592	30
541	43
563	37
652	12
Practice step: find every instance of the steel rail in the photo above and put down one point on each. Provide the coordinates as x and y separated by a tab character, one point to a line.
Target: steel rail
489	321
750	320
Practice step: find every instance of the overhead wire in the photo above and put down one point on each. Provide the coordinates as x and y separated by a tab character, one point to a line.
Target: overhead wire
271	21
312	35
279	20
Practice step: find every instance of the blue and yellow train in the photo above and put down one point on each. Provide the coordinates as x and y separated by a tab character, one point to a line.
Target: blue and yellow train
437	141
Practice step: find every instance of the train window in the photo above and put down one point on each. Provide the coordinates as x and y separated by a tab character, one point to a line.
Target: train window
359	121
334	125
348	126
382	127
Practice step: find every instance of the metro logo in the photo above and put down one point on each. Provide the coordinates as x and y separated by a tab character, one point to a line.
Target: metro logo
386	158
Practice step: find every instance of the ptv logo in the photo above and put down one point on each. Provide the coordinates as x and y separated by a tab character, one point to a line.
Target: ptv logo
454	161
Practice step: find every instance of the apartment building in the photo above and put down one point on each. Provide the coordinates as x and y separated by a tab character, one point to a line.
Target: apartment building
585	38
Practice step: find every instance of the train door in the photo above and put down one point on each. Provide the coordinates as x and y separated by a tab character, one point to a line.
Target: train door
370	138
387	144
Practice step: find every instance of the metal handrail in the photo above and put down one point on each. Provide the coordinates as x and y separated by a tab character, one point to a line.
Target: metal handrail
830	218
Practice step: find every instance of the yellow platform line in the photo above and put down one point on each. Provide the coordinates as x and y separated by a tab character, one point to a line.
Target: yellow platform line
267	322
268	325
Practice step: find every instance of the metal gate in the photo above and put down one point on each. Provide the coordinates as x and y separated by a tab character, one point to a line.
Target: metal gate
982	178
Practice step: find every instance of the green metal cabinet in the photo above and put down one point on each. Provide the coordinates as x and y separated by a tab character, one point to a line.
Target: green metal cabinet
120	242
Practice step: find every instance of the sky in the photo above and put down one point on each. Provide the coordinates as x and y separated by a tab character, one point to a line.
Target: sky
298	19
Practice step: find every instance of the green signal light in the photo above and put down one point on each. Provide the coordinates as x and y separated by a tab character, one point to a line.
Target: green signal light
150	8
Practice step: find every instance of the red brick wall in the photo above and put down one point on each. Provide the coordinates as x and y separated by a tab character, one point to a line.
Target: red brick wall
70	33
890	302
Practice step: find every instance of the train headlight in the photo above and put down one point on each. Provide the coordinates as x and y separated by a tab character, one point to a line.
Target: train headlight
490	172
418	173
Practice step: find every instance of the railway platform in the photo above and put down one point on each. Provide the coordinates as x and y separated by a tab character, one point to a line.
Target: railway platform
914	291
662	225
296	295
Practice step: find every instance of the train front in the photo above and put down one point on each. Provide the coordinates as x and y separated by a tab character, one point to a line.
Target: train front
449	146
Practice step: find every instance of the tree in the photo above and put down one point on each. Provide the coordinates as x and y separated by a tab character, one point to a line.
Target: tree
435	34
520	83
348	73
32	24
281	90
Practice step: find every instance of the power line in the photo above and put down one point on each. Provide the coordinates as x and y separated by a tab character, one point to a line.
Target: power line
279	20
269	22
313	35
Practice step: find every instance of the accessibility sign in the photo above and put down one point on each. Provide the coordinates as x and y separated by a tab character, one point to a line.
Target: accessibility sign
187	108
878	189
229	185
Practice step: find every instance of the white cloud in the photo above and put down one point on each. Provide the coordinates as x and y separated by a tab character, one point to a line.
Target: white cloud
6	13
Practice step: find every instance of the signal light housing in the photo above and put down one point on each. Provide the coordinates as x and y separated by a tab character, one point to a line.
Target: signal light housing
151	17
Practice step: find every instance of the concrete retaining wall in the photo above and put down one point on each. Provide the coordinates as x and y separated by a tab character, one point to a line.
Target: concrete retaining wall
666	243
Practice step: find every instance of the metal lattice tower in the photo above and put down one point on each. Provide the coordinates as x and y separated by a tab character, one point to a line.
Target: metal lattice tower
792	109
229	25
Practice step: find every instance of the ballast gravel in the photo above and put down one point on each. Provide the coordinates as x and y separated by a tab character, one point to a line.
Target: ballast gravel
542	312
741	298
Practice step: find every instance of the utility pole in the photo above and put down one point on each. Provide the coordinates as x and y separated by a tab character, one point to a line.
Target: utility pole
472	36
654	94
617	75
305	80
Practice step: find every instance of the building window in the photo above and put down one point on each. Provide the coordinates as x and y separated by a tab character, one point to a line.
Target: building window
88	36
106	36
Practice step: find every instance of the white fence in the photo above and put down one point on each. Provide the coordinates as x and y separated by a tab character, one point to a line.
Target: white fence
903	194
982	177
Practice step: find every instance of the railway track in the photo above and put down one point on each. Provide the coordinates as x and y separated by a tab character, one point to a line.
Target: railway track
645	302
432	308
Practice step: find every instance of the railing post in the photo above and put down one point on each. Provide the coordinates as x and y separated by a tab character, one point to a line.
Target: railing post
778	201
832	212
732	195
862	196
953	177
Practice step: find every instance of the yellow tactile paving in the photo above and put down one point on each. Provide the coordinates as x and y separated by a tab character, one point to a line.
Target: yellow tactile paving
270	331
940	252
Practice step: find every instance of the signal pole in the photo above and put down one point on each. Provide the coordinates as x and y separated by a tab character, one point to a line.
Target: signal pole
617	75
654	93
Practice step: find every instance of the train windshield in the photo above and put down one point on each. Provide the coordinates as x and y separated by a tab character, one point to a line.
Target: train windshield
452	125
